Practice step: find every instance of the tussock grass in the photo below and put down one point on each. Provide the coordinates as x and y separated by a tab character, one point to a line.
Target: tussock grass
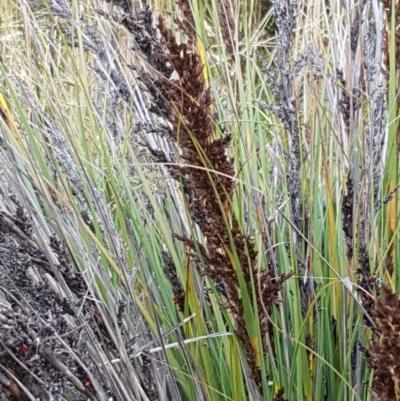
198	200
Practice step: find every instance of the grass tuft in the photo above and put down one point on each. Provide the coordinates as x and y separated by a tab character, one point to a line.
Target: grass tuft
199	200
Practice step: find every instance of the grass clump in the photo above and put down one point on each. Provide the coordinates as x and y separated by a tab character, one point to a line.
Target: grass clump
195	205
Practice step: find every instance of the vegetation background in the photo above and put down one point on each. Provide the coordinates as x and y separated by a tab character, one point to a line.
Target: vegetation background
199	200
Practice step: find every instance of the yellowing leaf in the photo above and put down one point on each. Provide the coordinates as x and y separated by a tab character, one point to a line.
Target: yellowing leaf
5	113
254	344
200	49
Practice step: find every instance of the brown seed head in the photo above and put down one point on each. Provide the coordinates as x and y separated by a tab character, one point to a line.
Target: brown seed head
14	390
